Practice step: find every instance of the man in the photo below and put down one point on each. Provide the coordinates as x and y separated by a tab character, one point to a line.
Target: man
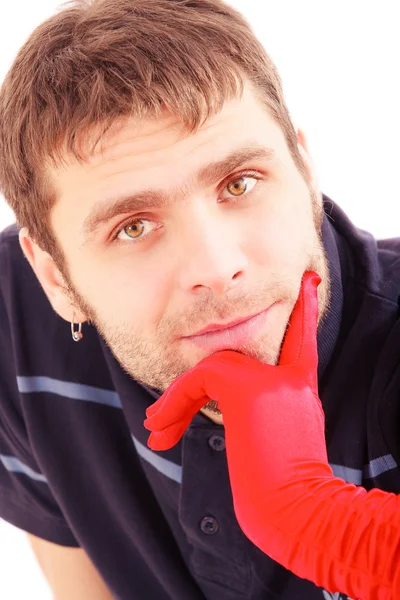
168	210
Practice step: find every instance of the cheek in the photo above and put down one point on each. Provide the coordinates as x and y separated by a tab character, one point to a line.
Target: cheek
123	292
283	234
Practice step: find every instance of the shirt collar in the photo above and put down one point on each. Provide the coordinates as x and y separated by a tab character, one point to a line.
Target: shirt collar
330	326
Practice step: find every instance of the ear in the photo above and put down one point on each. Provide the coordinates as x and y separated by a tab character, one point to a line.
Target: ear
306	156
50	279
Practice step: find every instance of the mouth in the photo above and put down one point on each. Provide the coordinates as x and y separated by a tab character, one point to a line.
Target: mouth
222	326
232	335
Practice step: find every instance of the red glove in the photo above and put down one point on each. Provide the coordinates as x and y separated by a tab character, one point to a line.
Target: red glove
286	499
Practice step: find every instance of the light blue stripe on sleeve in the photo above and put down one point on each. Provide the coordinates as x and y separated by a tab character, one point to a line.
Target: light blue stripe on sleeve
68	389
347	473
164	466
14	465
380	465
374	468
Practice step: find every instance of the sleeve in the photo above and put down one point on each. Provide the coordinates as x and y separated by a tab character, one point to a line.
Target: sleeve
335	534
26	500
25	497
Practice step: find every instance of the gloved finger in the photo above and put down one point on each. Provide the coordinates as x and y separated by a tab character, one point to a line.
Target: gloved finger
300	343
158	442
153	408
209	379
154	424
179	401
168	437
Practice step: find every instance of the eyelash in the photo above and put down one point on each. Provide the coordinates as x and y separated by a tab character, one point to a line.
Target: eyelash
253	174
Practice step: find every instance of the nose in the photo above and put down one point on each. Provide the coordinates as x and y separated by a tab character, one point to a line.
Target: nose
212	256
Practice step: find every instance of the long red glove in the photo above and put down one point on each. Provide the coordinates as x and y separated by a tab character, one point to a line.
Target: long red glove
286	499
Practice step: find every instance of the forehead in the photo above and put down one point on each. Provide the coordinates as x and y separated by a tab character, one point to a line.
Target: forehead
160	154
154	142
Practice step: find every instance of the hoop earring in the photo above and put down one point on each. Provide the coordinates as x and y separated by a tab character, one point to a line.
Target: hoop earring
77	334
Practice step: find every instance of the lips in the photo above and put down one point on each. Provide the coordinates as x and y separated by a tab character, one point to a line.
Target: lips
233	337
222	327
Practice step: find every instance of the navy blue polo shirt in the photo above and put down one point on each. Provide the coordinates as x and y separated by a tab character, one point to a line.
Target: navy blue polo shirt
75	468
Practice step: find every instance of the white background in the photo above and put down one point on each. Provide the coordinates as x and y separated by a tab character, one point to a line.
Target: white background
340	67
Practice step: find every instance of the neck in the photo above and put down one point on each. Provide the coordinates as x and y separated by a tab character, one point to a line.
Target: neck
215	417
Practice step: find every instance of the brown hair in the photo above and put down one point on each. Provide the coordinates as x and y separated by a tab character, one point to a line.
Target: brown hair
98	61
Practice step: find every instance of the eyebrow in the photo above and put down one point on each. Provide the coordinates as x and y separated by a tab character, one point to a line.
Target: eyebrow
151	199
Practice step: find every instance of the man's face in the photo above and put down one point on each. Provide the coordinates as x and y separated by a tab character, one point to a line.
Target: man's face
166	232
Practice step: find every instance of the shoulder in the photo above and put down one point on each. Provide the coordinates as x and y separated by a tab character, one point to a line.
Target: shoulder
372	266
9	246
388	252
22	299
34	340
13	265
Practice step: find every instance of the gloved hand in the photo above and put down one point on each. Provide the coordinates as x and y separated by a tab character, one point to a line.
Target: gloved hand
286	499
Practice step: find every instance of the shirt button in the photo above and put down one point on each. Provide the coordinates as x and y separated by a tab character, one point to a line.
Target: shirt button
217	442
209	525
